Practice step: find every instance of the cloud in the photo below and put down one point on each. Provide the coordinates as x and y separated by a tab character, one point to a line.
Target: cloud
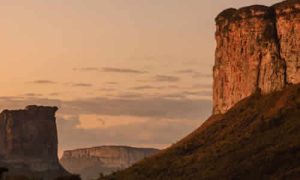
164	78
82	85
107	89
146	87
33	94
128	95
43	82
174	96
111	83
202	75
21	102
186	94
194	73
161	132
122	70
86	69
202	86
54	94
7	98
186	71
198	93
173	87
140	106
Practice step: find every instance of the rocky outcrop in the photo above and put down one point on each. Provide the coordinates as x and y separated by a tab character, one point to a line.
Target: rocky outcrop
288	30
90	162
258	49
28	140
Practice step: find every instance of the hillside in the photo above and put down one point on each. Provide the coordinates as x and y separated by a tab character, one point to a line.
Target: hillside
257	139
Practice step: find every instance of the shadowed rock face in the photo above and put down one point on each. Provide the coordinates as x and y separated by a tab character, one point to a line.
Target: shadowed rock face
258	48
28	139
90	162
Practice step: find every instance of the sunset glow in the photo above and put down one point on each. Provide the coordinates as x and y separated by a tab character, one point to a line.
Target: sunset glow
122	72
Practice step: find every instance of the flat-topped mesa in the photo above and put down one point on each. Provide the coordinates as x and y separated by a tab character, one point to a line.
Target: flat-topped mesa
256	11
287	7
28	139
258	48
114	156
42	112
89	162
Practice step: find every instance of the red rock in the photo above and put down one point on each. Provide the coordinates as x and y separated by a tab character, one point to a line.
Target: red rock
288	29
28	140
258	49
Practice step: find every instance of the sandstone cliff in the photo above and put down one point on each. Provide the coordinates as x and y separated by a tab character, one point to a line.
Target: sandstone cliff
28	140
258	49
90	162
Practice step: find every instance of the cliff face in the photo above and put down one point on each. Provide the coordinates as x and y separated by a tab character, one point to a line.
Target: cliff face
106	159
257	49
288	30
28	139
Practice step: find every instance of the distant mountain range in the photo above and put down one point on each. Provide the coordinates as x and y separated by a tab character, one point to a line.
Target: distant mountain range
90	162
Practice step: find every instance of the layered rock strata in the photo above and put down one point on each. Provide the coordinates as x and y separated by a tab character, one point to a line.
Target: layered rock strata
288	31
28	140
90	162
258	49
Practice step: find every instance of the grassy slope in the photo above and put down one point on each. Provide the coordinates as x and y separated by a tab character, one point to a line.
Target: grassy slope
257	139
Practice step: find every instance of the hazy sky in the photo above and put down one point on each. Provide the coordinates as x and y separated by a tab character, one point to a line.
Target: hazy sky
131	72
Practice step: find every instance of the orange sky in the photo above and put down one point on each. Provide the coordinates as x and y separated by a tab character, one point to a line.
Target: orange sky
59	52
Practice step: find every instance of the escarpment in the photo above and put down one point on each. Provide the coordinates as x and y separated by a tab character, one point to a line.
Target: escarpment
89	162
288	30
28	141
258	49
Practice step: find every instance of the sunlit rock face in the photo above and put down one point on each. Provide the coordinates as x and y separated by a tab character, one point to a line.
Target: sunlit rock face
288	30
258	49
90	162
28	140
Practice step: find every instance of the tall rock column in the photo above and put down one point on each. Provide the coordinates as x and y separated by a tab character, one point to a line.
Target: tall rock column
247	56
28	138
288	27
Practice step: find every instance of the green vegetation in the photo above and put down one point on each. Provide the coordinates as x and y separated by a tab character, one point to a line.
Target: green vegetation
257	139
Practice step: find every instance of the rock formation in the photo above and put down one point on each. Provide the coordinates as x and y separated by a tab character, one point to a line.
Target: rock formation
258	49
28	140
90	162
288	30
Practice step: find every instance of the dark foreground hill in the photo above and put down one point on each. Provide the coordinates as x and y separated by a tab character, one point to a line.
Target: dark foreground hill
259	138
